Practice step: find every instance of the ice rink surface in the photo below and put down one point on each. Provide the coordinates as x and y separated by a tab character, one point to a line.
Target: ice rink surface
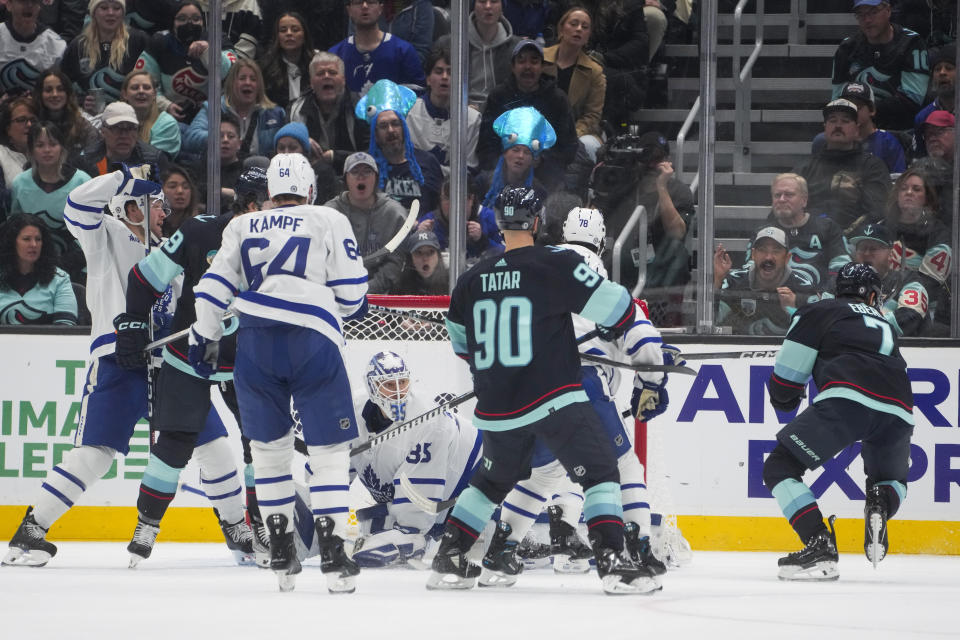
195	591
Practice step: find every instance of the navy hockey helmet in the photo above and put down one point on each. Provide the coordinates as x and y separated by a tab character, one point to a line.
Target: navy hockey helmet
858	280
517	208
252	186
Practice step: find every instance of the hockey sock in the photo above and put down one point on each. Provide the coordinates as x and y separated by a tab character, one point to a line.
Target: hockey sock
330	485
251	488
633	490
274	481
799	507
79	469
157	489
894	492
604	514
473	509
220	480
527	498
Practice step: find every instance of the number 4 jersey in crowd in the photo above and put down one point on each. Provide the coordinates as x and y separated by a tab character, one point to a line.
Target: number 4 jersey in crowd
510	319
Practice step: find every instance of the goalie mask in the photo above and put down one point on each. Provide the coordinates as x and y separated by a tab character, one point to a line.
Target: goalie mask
388	384
585	226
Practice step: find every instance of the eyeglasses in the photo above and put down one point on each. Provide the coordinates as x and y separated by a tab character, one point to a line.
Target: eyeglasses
936	132
25	120
357	3
122	128
194	19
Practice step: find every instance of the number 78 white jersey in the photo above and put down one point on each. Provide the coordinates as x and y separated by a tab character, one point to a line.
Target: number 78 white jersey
298	265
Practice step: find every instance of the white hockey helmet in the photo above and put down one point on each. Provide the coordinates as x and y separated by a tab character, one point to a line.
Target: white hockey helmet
585	225
388	384
291	174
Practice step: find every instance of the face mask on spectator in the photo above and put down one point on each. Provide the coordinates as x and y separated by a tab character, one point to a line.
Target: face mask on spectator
189	33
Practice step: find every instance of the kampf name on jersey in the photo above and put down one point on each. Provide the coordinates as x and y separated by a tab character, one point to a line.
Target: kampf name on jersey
279	221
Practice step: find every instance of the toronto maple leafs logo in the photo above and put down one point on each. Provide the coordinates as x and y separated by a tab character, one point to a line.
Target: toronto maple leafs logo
381	492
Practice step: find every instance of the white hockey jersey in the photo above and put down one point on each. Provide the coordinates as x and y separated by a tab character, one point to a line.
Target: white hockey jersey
22	61
639	345
111	250
438	456
298	265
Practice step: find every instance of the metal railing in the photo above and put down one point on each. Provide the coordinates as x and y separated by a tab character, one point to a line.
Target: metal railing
638	217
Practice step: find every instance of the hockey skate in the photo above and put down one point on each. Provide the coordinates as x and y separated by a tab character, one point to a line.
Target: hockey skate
875	544
619	574
141	546
239	539
283	554
570	554
341	570
535	554
261	543
815	562
640	550
451	569
500	564
29	546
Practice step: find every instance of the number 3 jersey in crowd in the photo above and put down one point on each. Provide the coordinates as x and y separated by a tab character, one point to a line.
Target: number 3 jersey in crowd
438	456
852	353
295	265
510	319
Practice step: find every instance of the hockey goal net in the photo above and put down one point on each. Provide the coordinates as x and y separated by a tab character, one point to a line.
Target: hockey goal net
413	326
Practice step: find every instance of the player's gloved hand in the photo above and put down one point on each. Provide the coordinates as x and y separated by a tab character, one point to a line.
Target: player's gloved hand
203	354
625	322
649	399
389	546
785	406
134	184
133	336
672	355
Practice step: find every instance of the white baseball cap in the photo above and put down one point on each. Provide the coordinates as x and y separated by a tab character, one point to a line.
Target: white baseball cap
774	233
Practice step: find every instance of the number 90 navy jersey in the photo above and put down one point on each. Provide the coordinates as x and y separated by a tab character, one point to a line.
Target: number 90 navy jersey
851	350
510	319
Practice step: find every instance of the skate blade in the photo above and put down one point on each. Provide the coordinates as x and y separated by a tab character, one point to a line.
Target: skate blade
614	586
875	550
337	583
244	559
17	557
262	559
449	582
819	572
531	564
490	578
568	565
135	561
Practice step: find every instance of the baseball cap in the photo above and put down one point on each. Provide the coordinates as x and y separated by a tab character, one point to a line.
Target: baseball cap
841	105
876	232
858	92
941	119
117	112
424	239
523	44
358	158
655	140
774	233
869	3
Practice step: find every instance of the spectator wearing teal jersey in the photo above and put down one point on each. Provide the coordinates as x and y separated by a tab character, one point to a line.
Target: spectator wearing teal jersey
32	289
42	191
157	127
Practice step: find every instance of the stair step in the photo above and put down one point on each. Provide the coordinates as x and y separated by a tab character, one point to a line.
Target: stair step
744	50
729	115
763	85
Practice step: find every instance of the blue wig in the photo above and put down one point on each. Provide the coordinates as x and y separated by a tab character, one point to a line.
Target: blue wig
386	95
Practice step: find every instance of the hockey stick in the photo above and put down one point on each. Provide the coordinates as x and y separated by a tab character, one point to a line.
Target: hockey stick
410	315
421	501
393	432
731	355
666	368
377	256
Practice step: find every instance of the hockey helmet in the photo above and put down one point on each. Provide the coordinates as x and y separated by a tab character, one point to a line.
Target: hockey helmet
388	384
517	208
291	174
252	186
585	225
858	280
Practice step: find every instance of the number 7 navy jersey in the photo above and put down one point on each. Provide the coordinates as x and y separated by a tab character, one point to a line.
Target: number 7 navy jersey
851	350
510	319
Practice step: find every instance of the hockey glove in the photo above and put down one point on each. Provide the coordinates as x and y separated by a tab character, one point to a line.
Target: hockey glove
134	184
785	406
133	336
649	400
203	354
625	322
672	356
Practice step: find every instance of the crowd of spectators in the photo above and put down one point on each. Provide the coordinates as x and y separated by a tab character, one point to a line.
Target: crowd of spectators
362	88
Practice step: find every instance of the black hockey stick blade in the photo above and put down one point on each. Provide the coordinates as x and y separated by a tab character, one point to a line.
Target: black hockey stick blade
393	432
403	313
666	368
378	256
